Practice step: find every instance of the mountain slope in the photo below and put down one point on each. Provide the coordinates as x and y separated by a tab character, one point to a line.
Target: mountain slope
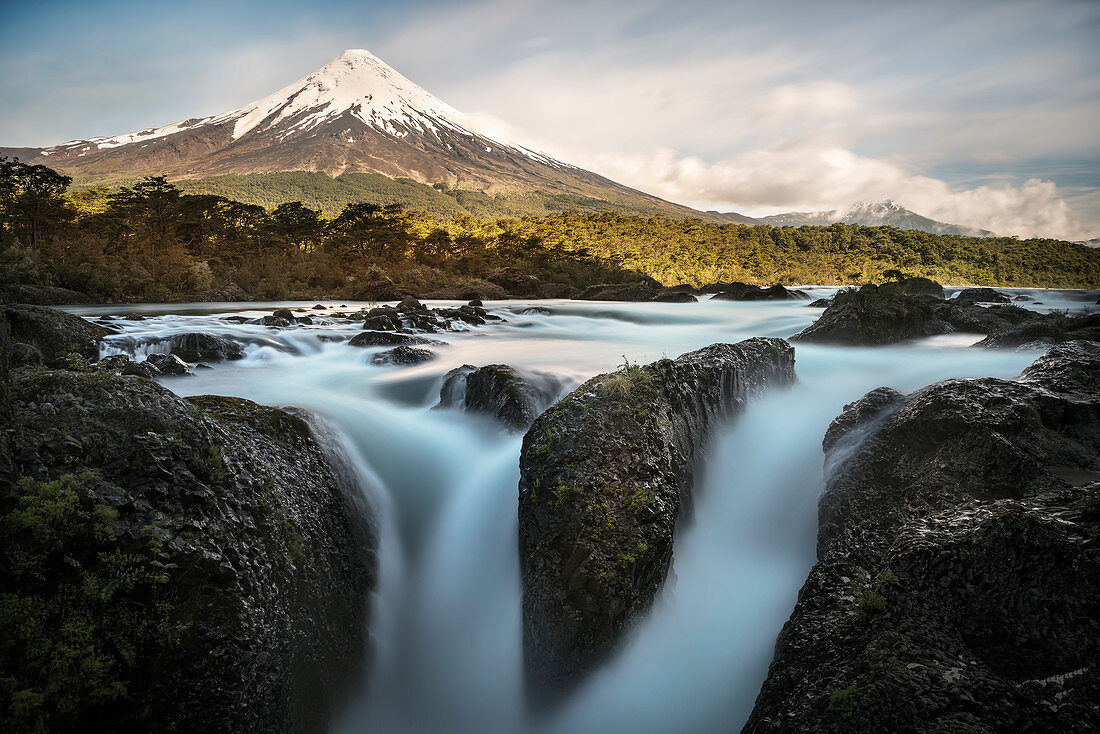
869	214
353	115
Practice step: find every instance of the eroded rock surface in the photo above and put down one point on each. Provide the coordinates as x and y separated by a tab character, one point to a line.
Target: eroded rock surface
957	586
605	475
513	397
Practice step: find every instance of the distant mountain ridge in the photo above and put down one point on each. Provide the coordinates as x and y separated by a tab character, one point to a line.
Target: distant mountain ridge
868	214
356	114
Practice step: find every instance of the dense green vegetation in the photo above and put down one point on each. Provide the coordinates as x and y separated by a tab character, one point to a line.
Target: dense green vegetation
153	241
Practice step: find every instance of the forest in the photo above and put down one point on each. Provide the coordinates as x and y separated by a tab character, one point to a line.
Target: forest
153	241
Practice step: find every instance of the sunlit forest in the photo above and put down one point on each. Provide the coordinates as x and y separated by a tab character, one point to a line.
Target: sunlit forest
152	241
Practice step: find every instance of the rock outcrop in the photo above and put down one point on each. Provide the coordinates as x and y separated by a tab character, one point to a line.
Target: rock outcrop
957	581
513	397
206	569
875	315
57	336
971	296
605	475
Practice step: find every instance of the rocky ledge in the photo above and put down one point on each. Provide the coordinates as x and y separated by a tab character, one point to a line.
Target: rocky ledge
605	474
172	564
957	586
914	308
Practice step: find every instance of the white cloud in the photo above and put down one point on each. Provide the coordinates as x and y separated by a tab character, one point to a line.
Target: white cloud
808	178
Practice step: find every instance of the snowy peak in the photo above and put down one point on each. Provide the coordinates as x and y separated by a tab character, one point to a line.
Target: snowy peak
356	81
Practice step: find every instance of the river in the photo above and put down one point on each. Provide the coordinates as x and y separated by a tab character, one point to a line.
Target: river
446	615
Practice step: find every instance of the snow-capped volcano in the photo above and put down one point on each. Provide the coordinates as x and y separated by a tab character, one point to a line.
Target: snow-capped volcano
355	114
869	214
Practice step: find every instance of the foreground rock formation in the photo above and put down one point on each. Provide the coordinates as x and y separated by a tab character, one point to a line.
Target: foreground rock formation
958	575
172	564
604	477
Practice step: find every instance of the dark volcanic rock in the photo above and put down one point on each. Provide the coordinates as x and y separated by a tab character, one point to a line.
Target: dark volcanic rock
1053	328
228	513
513	397
913	287
958	579
871	316
168	364
604	474
204	347
746	292
388	339
641	291
820	303
403	355
970	296
55	334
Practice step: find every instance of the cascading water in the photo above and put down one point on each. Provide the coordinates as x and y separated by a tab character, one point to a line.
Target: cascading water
446	621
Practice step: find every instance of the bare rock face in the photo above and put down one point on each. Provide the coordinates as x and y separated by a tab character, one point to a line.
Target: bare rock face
746	292
958	578
215	559
56	335
604	477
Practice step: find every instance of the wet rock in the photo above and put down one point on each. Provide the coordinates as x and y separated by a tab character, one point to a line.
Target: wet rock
55	334
168	364
820	303
410	305
283	313
319	307
513	397
1052	328
745	292
640	291
971	296
204	347
403	355
265	551
139	369
475	302
956	579
276	321
605	474
870	316
388	339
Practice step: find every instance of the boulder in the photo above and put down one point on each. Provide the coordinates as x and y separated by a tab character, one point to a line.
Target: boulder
378	290
971	296
870	316
481	290
820	303
410	305
956	580
513	397
168	364
559	290
388	339
605	475
204	347
745	292
55	334
213	562
1052	328
640	291
402	355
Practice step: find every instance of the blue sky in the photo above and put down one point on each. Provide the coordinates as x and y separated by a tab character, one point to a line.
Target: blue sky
982	113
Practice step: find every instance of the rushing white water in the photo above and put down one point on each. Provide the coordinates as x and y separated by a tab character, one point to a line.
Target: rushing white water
446	619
